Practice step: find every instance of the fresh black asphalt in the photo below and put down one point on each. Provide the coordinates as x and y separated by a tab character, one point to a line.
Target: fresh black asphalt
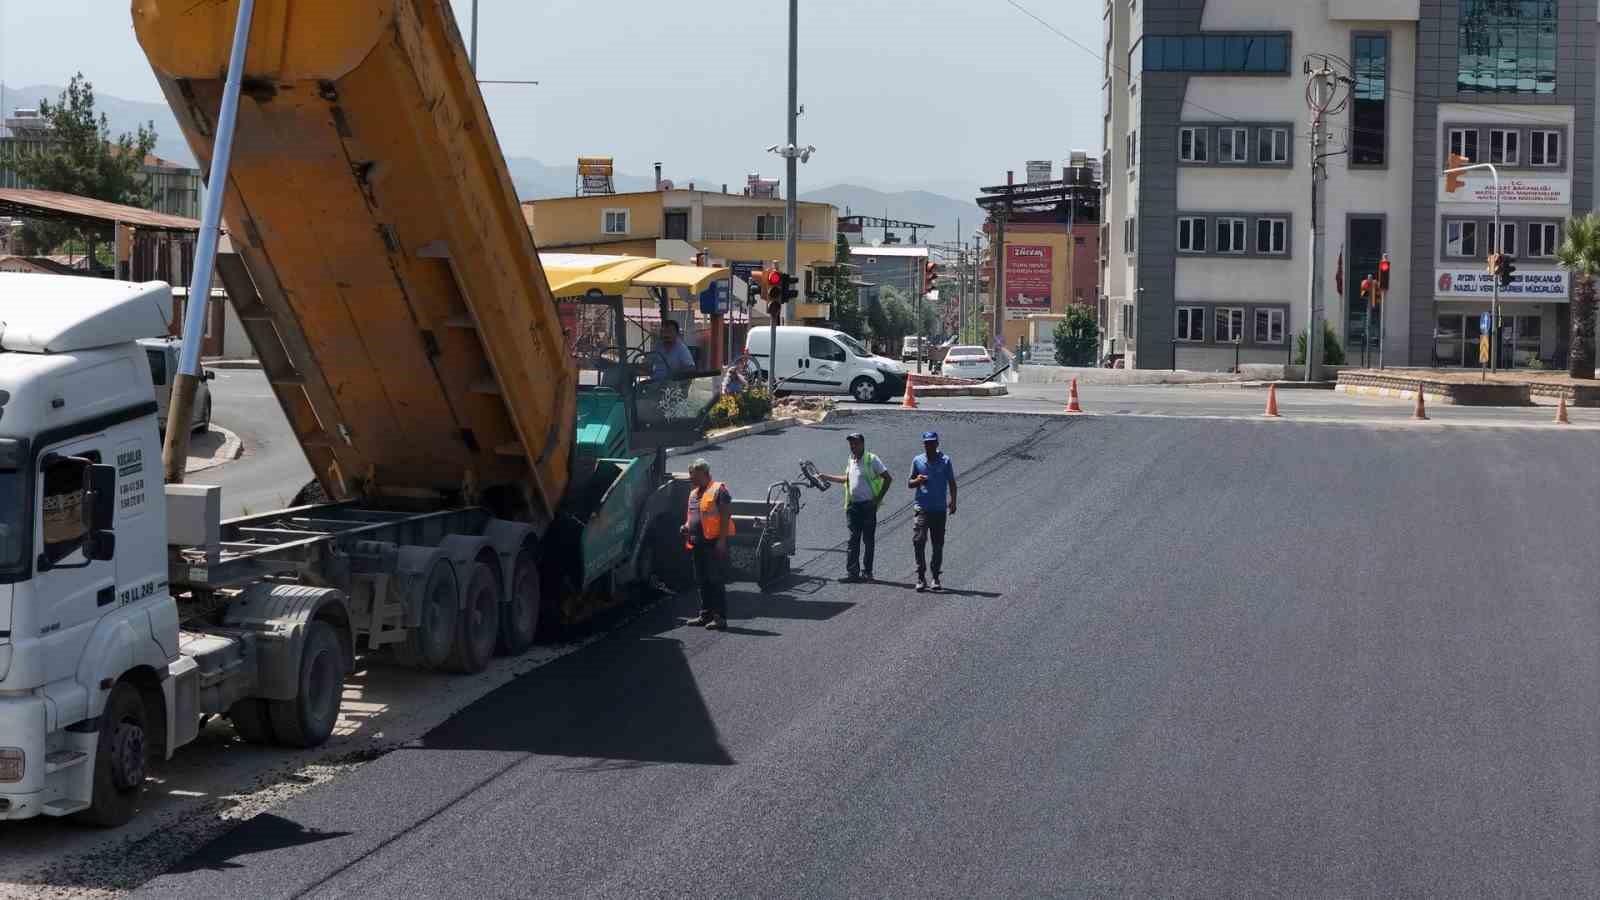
1179	658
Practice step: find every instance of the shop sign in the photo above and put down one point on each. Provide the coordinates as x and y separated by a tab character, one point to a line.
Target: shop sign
1478	284
1531	190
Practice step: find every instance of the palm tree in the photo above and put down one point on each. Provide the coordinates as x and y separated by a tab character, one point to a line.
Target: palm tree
1579	254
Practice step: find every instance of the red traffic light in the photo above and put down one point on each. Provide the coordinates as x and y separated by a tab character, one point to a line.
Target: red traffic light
1383	274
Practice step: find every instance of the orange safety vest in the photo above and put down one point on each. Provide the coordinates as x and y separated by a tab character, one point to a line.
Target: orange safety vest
710	516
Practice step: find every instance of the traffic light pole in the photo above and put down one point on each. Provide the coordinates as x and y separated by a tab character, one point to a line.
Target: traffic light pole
791	211
1499	238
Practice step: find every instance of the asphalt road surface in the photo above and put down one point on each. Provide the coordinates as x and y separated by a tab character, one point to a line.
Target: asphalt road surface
1178	657
273	466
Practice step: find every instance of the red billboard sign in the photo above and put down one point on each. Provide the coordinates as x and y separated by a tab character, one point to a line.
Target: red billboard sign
1029	276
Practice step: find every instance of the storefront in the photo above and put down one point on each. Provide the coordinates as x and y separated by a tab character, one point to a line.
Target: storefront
1534	318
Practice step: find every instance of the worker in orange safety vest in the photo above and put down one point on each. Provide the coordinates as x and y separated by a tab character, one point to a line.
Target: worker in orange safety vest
706	528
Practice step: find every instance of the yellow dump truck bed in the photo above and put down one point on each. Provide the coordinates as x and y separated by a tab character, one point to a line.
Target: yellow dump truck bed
394	293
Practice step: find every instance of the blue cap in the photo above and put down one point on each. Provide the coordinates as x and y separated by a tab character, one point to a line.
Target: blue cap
930	436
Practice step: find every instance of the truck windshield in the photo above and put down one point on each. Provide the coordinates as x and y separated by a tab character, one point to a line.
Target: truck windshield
851	345
13	522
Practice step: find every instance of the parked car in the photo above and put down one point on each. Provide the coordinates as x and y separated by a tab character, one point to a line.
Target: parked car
824	361
163	356
968	361
913	348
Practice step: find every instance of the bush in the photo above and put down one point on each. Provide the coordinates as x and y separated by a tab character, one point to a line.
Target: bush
1075	336
753	404
1332	353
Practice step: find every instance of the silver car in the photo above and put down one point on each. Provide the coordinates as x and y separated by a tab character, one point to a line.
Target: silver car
163	355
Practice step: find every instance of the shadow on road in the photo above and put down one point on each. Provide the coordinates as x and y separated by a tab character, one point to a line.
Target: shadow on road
259	834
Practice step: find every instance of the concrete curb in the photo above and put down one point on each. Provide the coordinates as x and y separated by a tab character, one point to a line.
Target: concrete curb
232	448
1254	385
1284	421
735	433
230	363
963	390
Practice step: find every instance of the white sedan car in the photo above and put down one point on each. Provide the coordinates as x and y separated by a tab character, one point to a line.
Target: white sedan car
967	362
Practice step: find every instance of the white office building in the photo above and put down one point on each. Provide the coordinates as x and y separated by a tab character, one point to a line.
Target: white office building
1208	178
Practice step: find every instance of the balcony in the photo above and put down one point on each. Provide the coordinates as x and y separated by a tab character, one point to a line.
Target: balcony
763	236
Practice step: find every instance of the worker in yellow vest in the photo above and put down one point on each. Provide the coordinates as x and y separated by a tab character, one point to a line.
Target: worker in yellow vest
705	532
866	480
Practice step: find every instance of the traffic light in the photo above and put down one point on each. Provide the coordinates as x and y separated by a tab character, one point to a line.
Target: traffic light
772	286
1383	274
930	272
786	287
1503	268
1369	290
1453	181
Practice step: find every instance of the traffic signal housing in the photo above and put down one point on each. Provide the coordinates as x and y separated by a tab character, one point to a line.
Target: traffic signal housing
786	287
1504	266
930	273
1383	274
1453	181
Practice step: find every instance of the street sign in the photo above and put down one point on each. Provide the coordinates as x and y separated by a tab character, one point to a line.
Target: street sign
1483	323
1483	349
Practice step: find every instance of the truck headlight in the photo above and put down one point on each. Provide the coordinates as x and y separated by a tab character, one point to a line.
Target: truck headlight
12	764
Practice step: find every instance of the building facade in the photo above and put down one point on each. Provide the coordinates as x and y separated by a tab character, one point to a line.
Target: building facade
175	189
739	231
1206	242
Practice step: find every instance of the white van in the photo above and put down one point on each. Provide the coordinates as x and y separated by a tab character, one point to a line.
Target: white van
825	361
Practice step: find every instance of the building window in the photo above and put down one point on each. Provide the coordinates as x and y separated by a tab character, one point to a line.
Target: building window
1233	145
1192	145
1545	149
1191	323
1132	155
1230	235
1369	109
1460	238
1216	53
1127	321
1273	145
769	228
1229	326
1508	239
1272	235
615	221
1503	149
1269	326
1464	141
1506	47
1130	235
1192	234
1543	238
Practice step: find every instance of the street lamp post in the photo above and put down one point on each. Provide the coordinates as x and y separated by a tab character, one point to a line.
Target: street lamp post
1499	239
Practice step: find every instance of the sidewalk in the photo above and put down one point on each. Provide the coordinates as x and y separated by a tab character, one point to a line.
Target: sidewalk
212	449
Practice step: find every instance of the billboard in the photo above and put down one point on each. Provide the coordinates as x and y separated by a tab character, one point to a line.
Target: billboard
1029	276
1529	190
1477	284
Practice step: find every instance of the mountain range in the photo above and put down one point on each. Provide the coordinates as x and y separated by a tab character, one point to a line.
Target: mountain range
899	199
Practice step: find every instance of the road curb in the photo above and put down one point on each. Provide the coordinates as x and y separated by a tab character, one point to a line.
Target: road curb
736	433
232	448
1286	420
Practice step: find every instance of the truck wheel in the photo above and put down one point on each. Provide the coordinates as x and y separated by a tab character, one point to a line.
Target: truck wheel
864	390
478	625
118	760
310	494
251	721
308	719
519	617
428	645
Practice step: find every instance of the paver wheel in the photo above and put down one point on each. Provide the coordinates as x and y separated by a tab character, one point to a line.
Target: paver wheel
308	719
519	615
119	759
478	625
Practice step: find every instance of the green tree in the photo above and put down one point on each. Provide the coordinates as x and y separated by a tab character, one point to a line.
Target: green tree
1332	352
844	296
82	159
1579	254
1075	336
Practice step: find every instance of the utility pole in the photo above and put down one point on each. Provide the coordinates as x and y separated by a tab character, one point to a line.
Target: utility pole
792	212
474	54
1321	91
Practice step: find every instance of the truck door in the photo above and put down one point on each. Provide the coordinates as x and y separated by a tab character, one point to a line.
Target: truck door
72	591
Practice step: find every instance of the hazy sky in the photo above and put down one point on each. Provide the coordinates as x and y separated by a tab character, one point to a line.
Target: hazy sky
939	93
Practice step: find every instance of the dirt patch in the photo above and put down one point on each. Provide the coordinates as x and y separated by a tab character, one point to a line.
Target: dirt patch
806	409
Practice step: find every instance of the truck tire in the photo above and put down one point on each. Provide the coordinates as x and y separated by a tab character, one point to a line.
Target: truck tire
310	494
519	616
308	719
428	645
251	721
478	625
119	760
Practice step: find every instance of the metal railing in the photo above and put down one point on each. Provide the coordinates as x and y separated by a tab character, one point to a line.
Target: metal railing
761	236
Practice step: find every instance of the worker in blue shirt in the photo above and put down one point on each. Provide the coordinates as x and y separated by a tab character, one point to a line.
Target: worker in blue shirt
933	477
672	358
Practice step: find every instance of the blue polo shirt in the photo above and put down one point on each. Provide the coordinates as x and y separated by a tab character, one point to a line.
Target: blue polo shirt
934	496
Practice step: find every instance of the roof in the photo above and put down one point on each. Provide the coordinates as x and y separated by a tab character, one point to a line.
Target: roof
86	211
889	251
39	264
595	198
576	274
60	313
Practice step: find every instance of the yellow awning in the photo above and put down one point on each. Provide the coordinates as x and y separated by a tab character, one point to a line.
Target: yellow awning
576	274
693	279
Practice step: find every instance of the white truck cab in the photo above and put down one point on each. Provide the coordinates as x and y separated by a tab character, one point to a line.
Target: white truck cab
86	623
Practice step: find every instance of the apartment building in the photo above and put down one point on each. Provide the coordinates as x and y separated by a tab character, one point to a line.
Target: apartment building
1208	178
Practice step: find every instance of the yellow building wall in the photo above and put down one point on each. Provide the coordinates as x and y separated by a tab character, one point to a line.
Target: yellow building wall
1060	276
559	223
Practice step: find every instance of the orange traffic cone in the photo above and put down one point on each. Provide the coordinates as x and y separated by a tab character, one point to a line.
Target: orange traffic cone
911	396
1272	401
1561	412
1072	398
1422	407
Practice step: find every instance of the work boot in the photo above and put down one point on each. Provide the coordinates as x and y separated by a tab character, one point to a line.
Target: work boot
697	621
717	623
